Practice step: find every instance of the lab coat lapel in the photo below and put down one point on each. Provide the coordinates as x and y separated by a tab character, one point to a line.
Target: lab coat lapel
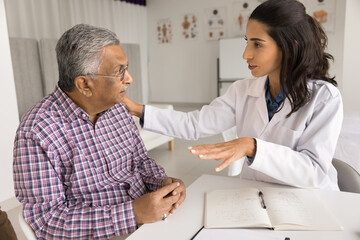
280	115
260	118
261	110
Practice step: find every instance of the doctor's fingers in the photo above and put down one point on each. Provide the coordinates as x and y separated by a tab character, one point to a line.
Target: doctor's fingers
224	164
204	148
227	159
134	108
221	153
232	146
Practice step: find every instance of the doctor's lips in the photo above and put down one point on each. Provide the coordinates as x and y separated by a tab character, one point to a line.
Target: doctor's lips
252	67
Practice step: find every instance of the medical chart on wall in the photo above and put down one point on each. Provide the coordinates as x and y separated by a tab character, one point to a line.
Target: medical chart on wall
240	14
164	31
215	23
189	25
323	11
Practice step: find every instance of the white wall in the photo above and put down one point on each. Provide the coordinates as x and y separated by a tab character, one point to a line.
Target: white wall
186	71
9	120
336	43
351	64
181	71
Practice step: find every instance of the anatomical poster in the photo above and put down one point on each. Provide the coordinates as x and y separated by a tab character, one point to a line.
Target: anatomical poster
215	23
164	31
240	14
189	25
323	11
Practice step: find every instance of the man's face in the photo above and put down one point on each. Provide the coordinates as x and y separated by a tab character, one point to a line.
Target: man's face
109	91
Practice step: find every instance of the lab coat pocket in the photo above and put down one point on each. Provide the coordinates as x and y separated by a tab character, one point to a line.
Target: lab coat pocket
287	137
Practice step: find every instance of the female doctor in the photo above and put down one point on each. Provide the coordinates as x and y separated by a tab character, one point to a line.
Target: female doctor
288	116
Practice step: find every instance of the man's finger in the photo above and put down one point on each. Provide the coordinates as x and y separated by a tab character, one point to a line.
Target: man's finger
179	202
181	199
179	189
167	181
167	189
171	200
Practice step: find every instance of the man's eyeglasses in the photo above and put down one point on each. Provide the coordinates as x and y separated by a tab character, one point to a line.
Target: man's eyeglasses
121	75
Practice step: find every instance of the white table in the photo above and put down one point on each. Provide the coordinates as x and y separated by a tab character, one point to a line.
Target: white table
188	219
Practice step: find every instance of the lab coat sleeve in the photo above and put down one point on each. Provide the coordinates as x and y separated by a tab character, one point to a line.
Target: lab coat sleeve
212	119
309	165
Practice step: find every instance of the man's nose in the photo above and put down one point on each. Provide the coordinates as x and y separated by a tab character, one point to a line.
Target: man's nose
127	78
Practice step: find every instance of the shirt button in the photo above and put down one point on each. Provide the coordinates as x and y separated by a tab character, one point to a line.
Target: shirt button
84	115
106	152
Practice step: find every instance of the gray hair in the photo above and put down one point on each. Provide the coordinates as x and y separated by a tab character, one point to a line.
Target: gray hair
79	52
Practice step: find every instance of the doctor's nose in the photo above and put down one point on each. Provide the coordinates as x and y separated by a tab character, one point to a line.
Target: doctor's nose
247	53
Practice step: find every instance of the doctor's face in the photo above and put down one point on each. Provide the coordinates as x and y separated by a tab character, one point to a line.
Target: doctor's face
262	53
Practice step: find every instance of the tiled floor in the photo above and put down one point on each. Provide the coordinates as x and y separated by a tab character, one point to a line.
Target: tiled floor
178	163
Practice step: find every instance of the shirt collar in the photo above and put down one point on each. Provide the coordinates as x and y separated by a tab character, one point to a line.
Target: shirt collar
279	97
70	108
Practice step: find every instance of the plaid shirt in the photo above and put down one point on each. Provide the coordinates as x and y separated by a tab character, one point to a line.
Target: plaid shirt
76	179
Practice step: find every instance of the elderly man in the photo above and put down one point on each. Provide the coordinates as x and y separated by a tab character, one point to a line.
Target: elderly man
80	167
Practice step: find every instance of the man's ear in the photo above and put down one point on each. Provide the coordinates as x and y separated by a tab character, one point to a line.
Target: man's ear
83	85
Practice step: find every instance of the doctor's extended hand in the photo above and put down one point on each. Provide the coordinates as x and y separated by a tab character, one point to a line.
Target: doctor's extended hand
228	151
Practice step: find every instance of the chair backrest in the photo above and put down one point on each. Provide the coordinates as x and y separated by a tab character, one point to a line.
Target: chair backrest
27	72
49	66
348	178
25	227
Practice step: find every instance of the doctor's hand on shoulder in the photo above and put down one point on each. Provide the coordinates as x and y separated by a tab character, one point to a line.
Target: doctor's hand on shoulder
134	108
230	151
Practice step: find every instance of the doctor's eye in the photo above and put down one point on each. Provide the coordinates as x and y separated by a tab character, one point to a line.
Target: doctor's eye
258	45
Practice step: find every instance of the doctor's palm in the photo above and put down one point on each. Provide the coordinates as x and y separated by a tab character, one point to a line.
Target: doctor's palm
228	151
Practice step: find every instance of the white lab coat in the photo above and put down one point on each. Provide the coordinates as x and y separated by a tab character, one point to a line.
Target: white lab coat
296	151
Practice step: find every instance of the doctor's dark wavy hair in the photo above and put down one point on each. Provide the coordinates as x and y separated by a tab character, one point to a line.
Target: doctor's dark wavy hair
79	52
302	42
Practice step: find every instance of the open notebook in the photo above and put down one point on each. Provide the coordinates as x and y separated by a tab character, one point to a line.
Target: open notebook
275	208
